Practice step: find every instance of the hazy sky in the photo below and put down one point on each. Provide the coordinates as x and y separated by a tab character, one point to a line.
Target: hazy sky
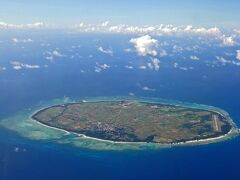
221	13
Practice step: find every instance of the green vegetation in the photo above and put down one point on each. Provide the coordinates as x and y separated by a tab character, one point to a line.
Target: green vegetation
132	121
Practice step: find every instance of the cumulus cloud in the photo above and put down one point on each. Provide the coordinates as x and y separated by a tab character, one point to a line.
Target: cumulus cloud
129	67
183	68
18	65
163	30
194	58
105	51
163	53
227	40
175	65
35	25
15	40
55	53
104	24
3	68
146	88
154	30
131	94
145	45
142	67
104	66
154	64
100	67
238	55
224	61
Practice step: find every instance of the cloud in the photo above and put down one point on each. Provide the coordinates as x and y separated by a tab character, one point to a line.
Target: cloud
183	68
105	51
128	50
194	58
17	65
227	40
145	45
3	68
163	53
35	25
129	67
238	55
131	94
104	66
15	40
224	61
175	65
142	67
53	54
212	33
146	88
100	67
153	30
104	24
154	64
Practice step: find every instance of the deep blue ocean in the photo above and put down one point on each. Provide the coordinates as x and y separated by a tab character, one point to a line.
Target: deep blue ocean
75	77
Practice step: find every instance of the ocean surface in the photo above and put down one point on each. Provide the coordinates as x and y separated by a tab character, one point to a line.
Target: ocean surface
73	75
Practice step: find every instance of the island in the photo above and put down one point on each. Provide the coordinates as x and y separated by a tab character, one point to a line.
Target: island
135	121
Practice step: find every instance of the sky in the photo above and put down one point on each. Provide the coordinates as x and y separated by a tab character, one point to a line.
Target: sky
207	13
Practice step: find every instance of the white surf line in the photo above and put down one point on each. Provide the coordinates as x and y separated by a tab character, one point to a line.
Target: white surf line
204	140
121	142
215	122
66	132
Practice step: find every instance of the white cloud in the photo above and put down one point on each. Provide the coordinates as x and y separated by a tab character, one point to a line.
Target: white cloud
3	68
168	30
155	64
183	68
153	30
29	66
238	55
104	66
145	45
177	49
15	40
175	65
35	25
55	53
128	50
100	67
163	53
142	67
106	51
131	94
227	40
236	63
224	61
194	58
129	67
146	88
104	24
18	65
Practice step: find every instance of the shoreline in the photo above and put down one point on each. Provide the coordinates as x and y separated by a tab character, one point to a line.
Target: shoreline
222	137
232	131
